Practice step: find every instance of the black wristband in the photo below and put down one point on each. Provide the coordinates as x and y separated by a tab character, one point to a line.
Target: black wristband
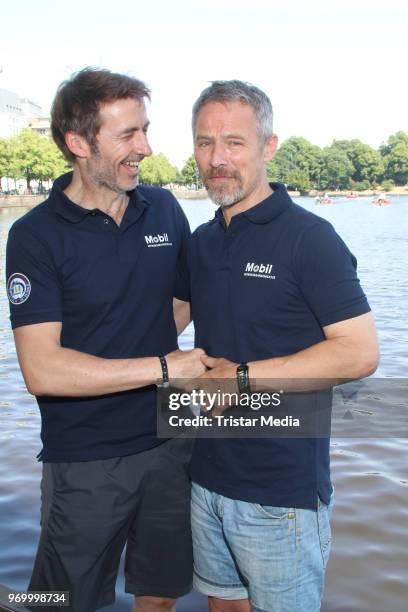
243	378
165	372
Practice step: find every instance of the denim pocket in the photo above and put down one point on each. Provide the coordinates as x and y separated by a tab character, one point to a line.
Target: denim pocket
275	512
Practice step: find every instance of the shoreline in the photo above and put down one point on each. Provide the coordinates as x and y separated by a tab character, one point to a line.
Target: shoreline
29	201
200	194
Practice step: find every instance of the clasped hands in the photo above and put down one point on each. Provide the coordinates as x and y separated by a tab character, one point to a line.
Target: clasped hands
210	380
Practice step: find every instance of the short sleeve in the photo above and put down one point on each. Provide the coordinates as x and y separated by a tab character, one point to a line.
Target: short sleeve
33	287
182	286
327	274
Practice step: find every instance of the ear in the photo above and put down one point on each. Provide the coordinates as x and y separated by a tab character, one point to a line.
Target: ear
77	145
270	147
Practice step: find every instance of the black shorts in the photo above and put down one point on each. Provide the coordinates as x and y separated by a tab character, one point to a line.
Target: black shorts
91	509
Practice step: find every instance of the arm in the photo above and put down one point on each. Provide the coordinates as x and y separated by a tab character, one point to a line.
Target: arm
349	351
182	314
50	369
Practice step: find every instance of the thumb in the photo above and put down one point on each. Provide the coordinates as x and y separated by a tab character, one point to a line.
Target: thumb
209	362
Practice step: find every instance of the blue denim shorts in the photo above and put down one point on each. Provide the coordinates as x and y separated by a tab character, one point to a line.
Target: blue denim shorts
275	557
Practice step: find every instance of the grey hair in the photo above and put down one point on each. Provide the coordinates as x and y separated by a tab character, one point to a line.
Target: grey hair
239	91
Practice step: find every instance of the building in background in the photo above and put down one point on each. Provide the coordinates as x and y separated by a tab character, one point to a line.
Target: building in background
17	113
12	119
41	125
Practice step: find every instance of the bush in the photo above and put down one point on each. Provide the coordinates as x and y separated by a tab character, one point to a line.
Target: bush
361	185
388	185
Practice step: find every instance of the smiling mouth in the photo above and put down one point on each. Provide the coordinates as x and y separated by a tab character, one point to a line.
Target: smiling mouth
131	164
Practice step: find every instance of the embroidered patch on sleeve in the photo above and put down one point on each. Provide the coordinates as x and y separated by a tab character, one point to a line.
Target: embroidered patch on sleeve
18	288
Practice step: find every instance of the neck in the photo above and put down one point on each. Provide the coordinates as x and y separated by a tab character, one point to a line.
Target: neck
86	193
260	193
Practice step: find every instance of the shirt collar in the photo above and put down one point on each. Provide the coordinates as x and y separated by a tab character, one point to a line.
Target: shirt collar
74	213
265	211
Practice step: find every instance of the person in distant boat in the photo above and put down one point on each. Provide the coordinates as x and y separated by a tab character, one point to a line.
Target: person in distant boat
274	295
97	299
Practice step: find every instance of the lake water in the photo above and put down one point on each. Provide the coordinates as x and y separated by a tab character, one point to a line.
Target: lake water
368	569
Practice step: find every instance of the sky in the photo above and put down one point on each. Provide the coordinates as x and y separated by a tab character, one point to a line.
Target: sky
333	69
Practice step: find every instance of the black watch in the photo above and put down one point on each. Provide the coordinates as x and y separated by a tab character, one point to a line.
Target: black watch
243	378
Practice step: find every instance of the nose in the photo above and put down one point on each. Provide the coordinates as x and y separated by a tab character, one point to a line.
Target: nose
141	143
218	155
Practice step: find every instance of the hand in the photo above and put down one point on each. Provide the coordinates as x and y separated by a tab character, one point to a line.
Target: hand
185	364
219	381
218	367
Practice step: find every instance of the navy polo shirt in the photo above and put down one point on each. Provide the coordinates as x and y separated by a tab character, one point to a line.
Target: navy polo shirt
112	289
265	287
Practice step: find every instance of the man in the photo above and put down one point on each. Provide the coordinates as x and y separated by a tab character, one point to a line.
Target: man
274	296
92	273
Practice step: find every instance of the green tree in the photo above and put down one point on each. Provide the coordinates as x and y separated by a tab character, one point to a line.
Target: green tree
157	170
7	155
272	170
36	158
367	162
28	155
53	164
297	163
395	156
336	169
393	140
189	173
299	180
387	185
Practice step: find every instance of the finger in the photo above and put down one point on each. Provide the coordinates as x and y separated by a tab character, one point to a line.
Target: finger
199	351
209	362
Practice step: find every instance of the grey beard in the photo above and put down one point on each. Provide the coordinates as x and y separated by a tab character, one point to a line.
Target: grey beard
225	200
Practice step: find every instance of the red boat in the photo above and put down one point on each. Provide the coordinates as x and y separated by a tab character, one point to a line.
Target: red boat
381	201
323	200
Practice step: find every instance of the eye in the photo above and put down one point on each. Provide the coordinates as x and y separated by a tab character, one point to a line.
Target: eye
202	144
236	143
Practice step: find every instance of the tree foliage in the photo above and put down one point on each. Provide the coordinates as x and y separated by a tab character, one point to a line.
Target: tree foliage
189	173
7	153
336	169
37	158
157	170
297	163
395	156
31	157
367	163
345	164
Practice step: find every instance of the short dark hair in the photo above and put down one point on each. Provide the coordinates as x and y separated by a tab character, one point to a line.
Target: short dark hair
239	91
78	100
